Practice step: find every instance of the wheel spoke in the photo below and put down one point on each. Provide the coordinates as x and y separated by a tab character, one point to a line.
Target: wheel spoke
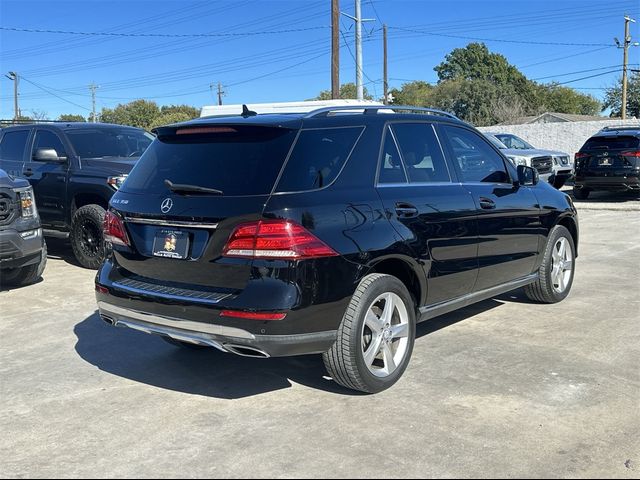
373	322
373	350
563	248
389	361
568	265
561	283
387	313
400	331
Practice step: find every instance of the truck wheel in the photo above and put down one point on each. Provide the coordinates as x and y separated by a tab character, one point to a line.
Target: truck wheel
556	272
20	277
87	240
580	193
559	182
375	339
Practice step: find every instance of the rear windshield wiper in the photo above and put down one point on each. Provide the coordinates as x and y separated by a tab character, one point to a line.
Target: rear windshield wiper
181	188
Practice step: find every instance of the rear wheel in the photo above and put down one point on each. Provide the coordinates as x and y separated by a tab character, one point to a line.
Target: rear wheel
580	193
376	337
556	272
87	240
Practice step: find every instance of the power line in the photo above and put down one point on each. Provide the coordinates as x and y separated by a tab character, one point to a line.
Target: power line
55	95
574	73
590	76
164	35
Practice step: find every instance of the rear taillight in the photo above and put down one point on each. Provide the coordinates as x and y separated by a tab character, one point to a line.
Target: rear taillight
580	155
633	153
114	230
275	239
253	315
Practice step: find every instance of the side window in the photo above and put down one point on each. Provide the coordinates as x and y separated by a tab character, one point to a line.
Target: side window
421	152
13	144
317	158
391	170
48	140
474	158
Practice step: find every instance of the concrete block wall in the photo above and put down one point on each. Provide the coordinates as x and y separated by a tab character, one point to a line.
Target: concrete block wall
564	136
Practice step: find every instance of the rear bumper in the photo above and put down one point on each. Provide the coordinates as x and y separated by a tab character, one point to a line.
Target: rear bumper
20	249
614	183
224	338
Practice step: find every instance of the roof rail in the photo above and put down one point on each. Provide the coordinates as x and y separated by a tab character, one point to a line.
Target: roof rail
374	109
621	127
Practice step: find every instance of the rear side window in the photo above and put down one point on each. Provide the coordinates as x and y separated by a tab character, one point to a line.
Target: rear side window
421	152
318	158
392	170
237	160
13	144
611	143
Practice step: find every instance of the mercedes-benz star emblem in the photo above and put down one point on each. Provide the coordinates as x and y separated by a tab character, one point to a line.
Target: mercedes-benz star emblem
167	205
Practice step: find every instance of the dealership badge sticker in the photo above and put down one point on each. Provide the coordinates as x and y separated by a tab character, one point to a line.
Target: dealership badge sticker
170	243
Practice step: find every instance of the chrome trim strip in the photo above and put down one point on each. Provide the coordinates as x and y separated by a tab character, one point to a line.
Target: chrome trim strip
166	223
168	296
481	294
149	320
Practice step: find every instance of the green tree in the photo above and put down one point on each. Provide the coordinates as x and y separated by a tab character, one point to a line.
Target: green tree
186	111
347	91
170	117
613	97
71	117
139	113
556	98
417	93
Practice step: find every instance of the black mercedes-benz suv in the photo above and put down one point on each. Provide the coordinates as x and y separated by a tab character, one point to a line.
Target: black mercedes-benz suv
332	232
609	160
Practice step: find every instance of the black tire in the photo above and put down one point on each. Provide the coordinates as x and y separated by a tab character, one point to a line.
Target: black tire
559	182
181	344
20	277
580	193
345	360
86	237
543	290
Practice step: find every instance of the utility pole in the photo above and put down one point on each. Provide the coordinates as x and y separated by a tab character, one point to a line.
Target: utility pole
358	19
16	79
385	72
335	49
93	88
625	61
220	93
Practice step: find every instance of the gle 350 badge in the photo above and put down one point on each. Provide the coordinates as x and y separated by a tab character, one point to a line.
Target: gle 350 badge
171	244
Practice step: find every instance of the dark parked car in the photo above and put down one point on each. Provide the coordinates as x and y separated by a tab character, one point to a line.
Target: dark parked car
74	169
332	232
610	160
23	253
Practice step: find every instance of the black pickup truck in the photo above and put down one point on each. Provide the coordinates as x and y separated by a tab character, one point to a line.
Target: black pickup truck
74	169
23	253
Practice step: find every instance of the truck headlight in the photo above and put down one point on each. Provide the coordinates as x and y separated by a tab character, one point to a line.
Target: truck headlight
518	160
116	182
27	202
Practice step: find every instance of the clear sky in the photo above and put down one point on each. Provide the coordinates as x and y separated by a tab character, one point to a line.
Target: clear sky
279	50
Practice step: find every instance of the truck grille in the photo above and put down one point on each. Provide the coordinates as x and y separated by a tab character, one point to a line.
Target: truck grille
542	164
7	207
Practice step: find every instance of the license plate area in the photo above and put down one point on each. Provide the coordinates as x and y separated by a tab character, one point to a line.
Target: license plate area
171	243
605	161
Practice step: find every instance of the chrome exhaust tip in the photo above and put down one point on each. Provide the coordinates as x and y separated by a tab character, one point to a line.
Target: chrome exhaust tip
244	351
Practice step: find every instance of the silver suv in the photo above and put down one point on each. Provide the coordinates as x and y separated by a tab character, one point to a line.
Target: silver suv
553	166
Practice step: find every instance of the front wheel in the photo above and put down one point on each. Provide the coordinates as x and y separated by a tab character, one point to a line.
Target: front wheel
580	193
376	337
556	272
87	239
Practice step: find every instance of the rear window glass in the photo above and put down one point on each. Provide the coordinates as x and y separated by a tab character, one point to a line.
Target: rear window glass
318	158
611	143
109	142
12	145
241	161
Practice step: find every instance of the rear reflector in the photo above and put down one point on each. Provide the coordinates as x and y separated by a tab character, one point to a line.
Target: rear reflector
252	315
196	130
581	155
275	239
114	230
101	289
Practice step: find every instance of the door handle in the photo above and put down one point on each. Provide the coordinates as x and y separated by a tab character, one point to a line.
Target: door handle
406	210
28	172
487	203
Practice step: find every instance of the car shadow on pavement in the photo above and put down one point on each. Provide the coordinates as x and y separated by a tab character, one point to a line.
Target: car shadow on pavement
60	249
150	360
608	197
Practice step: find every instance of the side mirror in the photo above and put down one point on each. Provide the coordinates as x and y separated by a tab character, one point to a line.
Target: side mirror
48	155
527	176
